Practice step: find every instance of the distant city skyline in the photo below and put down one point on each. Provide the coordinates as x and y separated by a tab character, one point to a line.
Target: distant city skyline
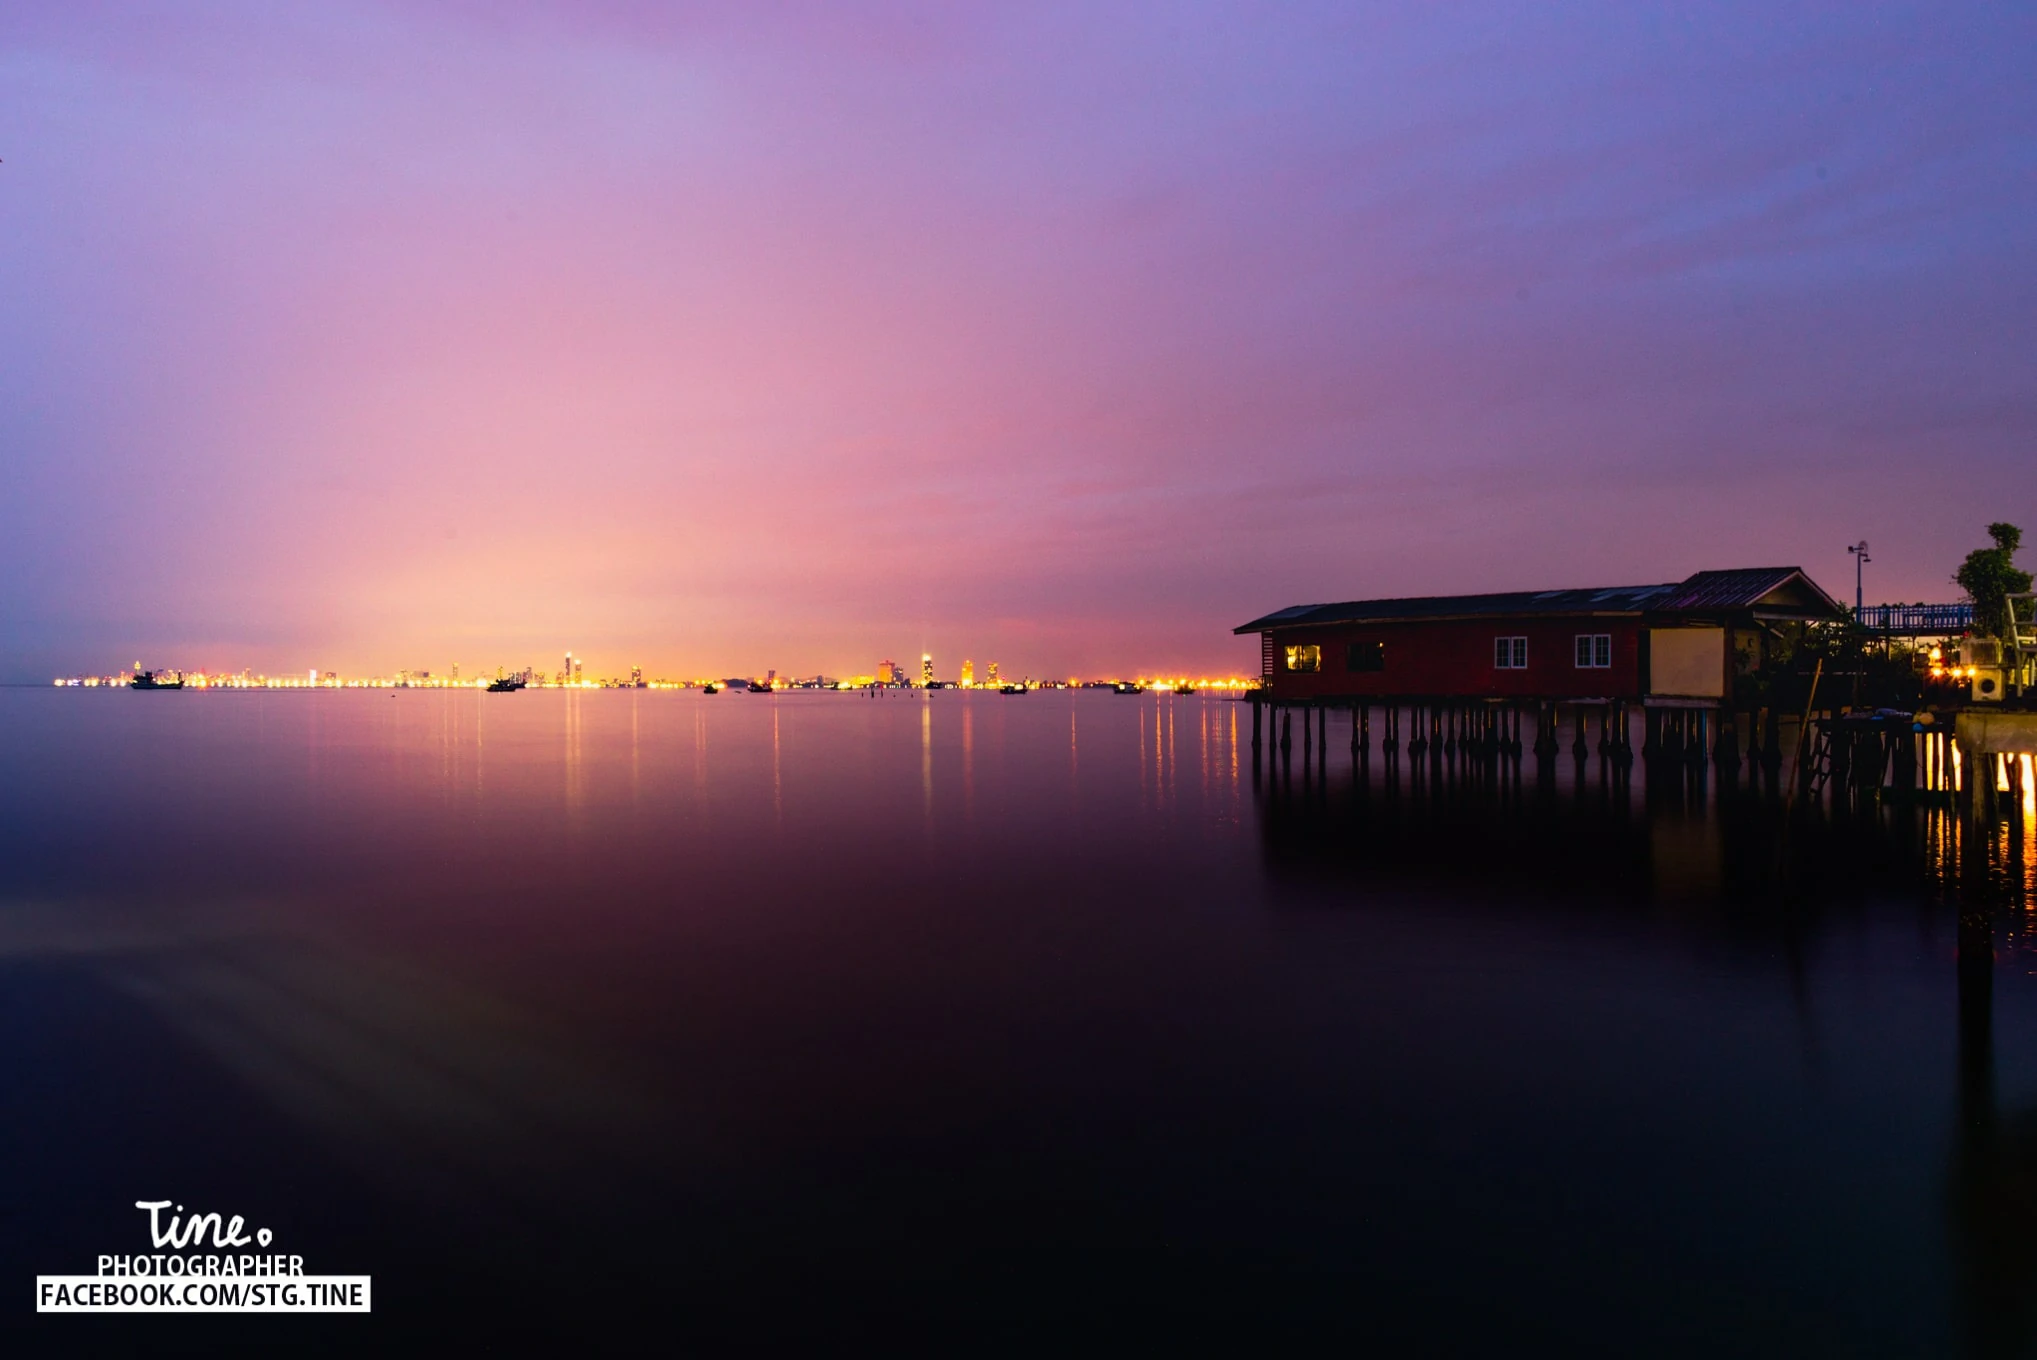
1070	336
573	674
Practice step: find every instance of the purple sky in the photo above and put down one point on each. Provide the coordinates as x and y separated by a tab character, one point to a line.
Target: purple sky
362	335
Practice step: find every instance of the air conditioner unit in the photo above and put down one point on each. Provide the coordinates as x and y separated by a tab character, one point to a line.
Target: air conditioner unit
1986	686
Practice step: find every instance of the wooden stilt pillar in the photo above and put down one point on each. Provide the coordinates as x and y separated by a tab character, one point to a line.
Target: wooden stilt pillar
1904	776
1840	743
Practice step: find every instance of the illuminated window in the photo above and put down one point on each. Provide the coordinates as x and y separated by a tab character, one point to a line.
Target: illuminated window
1366	656
1510	653
1594	651
1304	658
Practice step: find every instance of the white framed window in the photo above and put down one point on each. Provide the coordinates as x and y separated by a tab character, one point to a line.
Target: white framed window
1510	653
1594	651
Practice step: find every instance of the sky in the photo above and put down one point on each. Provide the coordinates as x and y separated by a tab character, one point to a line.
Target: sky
715	339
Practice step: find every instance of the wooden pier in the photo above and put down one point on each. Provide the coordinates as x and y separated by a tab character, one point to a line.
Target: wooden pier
1976	759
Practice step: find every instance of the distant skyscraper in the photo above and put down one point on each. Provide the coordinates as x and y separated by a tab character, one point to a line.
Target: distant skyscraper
568	672
993	672
926	670
887	672
968	673
578	667
636	677
456	672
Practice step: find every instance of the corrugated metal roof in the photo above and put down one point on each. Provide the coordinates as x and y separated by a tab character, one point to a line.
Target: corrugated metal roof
1612	600
1735	589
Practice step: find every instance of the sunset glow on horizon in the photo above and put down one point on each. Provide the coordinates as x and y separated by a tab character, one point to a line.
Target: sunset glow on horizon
357	337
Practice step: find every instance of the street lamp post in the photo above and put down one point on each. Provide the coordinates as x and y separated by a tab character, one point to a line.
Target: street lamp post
1860	559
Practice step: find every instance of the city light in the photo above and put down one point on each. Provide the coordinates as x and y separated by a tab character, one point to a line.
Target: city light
576	679
572	675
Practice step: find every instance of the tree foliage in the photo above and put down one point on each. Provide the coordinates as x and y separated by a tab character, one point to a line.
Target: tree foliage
1860	668
1989	576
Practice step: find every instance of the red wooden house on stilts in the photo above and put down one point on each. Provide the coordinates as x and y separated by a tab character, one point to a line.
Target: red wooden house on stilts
1675	646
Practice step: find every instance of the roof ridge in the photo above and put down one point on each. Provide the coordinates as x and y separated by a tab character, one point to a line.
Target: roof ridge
1712	588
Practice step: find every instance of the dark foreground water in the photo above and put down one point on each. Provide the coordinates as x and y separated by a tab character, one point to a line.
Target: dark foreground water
944	1021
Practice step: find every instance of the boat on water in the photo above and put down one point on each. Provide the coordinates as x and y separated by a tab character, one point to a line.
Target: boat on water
710	689
1127	687
1184	689
505	684
1011	689
154	680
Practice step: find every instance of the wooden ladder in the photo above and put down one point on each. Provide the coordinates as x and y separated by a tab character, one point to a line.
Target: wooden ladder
1821	761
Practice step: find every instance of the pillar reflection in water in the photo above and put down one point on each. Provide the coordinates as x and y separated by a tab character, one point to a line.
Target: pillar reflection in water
1734	858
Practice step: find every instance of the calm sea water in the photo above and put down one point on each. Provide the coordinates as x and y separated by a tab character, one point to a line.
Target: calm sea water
961	1018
